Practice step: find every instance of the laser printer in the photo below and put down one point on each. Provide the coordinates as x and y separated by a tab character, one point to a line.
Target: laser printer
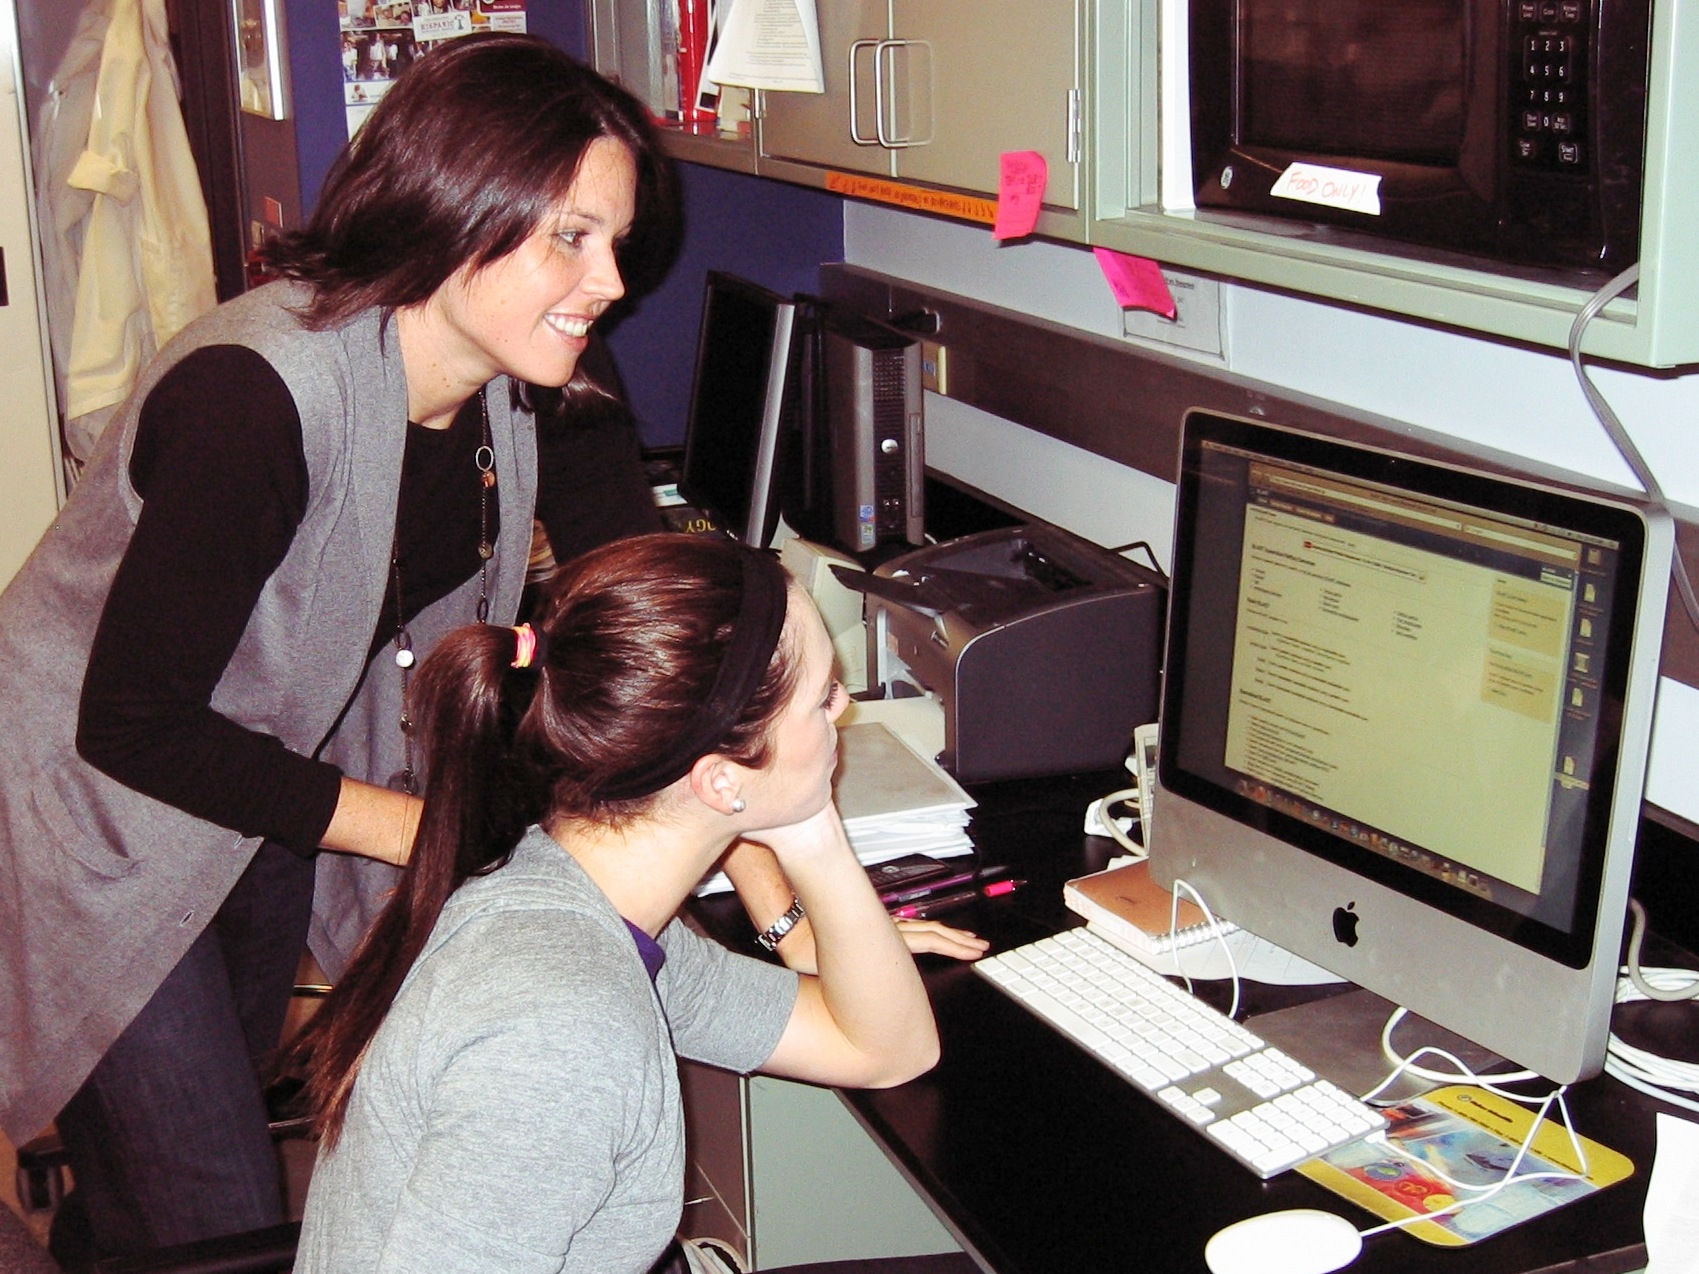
1044	648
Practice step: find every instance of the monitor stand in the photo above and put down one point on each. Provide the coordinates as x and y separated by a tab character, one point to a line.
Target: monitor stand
1339	1038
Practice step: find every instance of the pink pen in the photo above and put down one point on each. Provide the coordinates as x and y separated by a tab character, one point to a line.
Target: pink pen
923	910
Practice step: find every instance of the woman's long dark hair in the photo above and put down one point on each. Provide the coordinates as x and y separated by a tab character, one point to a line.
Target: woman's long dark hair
458	164
633	635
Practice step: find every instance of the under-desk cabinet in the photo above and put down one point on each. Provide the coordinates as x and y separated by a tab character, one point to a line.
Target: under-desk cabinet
783	1172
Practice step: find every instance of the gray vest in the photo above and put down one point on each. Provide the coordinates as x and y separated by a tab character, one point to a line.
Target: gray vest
103	889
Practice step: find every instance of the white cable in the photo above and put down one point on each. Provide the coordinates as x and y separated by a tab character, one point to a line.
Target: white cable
1662	1077
1215	928
1614	427
1405	1065
1510	1177
1680	984
1128	796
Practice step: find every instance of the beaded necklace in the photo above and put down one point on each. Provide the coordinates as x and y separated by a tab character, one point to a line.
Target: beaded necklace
406	778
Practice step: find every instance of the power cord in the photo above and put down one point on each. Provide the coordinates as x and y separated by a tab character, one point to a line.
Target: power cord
1405	1065
1684	986
1481	1193
1216	931
1614	428
1100	819
1144	547
1665	1078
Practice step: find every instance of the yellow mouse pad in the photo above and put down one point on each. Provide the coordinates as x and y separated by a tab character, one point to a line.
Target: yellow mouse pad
1471	1136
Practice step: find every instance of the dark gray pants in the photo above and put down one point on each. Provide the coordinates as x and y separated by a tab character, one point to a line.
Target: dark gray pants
168	1137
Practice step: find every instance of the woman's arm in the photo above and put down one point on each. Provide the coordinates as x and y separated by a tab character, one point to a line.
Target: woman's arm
766	895
373	822
864	1021
223	480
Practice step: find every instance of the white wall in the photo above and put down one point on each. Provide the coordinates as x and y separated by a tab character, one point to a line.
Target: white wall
1514	399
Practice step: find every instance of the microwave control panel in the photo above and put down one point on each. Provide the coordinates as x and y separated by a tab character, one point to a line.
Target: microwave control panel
1548	79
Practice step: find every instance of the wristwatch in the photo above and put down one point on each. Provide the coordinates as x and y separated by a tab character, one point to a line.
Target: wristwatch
779	928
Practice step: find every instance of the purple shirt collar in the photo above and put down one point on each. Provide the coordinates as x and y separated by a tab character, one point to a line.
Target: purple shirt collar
649	949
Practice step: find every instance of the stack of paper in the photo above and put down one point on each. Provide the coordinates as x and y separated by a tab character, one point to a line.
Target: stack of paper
893	800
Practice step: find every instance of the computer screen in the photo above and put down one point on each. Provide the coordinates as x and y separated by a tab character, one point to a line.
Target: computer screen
736	406
1405	718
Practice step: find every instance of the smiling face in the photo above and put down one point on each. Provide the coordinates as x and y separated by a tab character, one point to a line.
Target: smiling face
796	782
527	314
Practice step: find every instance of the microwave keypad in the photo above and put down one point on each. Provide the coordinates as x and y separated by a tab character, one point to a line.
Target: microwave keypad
1548	86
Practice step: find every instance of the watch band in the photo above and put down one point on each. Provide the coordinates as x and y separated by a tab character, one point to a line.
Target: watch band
776	931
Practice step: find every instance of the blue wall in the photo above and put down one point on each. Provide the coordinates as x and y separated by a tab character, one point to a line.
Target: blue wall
775	234
315	73
771	233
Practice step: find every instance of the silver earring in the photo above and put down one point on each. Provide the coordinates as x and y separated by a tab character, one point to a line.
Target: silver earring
739	805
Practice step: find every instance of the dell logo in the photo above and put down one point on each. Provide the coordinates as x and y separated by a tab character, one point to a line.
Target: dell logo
1345	924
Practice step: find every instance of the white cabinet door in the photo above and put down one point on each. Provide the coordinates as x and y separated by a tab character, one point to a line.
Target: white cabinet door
29	464
995	76
822	128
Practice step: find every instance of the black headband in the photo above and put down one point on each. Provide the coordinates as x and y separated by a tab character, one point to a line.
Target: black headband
749	650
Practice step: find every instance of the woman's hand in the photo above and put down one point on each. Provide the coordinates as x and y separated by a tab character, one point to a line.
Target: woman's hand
819	835
766	895
929	937
921	937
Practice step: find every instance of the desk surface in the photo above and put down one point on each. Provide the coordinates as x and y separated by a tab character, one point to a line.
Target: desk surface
1044	1162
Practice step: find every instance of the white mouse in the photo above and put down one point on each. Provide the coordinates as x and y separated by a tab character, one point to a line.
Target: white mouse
1299	1241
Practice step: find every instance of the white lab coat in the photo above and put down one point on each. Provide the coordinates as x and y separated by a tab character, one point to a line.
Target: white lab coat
127	249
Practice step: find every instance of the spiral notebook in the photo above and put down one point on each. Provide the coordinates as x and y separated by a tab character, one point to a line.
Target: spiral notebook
1127	906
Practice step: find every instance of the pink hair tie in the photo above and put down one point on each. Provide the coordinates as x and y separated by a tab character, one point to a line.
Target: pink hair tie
524	646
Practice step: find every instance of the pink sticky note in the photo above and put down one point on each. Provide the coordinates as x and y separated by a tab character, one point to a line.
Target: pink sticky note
1137	282
1020	191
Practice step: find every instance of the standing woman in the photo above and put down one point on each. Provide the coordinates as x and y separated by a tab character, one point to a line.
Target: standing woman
202	667
495	1074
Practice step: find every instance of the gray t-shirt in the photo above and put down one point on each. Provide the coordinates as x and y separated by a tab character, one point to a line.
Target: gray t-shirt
519	1110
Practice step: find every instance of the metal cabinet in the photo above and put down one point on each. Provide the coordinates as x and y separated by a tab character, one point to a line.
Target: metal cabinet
927	93
932	92
837	128
783	1173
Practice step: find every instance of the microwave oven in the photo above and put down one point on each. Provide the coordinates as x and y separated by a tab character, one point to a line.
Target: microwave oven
1507	129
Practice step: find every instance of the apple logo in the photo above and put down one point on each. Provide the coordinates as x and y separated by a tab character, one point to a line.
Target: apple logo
1345	924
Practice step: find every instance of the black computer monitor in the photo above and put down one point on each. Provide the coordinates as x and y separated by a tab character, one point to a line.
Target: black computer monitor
1405	720
736	406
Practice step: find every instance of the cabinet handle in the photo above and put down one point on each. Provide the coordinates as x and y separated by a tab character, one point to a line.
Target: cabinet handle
855	132
884	91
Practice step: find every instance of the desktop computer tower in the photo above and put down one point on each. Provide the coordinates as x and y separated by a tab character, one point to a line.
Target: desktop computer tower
854	468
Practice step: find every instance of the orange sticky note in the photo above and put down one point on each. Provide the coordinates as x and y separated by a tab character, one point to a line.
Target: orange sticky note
1020	192
1137	282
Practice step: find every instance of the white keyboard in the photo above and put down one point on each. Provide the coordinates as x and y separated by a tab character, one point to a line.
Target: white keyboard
1257	1103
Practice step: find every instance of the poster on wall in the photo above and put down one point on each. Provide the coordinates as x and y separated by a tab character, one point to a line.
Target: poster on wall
382	38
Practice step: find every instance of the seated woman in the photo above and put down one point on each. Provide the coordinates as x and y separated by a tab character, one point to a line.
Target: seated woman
495	1074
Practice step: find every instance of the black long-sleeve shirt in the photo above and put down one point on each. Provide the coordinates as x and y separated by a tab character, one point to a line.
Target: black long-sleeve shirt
220	467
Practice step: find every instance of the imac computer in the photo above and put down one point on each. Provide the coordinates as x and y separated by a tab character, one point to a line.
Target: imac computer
737	405
1405	717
